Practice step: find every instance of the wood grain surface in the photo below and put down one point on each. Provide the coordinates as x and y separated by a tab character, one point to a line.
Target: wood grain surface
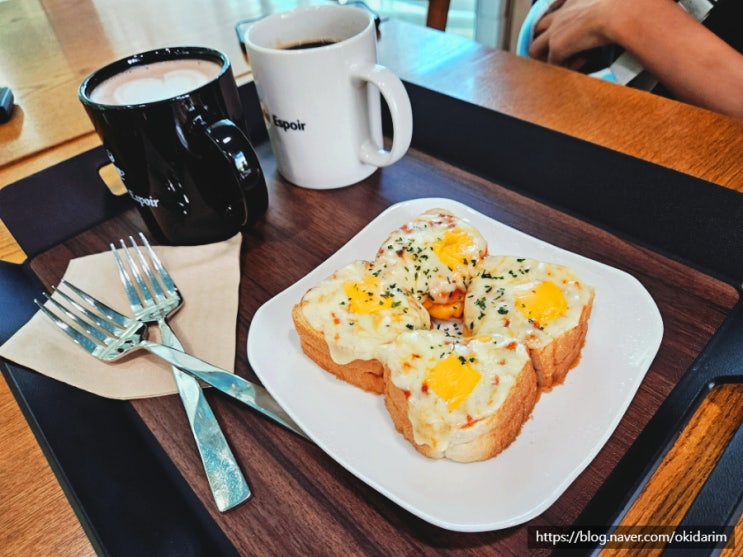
48	46
49	125
32	525
304	502
684	469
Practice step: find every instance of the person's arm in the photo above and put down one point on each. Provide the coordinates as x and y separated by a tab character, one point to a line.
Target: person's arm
691	61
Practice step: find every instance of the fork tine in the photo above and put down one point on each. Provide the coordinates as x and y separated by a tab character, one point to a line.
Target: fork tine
147	268
131	292
73	333
95	319
147	296
164	275
73	323
102	309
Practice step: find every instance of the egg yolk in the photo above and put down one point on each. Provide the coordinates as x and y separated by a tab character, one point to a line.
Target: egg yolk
365	298
444	311
542	304
453	380
452	249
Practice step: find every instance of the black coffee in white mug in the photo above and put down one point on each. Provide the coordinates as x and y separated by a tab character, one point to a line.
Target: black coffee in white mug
320	89
172	124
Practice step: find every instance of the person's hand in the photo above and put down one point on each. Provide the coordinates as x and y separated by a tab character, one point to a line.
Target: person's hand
693	63
569	28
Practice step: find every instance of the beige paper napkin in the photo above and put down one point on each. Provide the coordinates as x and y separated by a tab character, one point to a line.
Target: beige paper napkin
208	278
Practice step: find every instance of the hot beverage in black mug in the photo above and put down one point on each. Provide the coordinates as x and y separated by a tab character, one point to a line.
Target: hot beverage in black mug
172	124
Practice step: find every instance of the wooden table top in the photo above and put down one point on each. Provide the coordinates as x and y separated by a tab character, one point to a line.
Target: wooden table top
51	52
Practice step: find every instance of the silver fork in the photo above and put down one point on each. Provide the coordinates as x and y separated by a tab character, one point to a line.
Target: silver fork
109	335
153	299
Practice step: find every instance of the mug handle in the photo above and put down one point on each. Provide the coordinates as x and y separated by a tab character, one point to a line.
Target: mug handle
236	149
398	103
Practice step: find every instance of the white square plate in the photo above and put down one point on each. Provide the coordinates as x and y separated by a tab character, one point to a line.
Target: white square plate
568	427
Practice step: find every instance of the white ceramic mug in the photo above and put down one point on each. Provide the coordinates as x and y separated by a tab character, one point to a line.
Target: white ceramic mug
321	103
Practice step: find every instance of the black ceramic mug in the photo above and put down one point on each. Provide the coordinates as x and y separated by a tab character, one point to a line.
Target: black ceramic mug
172	124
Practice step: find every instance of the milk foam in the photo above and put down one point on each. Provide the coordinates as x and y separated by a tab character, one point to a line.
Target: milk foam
155	82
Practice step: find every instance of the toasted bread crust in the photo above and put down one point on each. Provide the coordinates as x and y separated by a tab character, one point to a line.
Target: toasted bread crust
552	350
500	428
553	361
365	374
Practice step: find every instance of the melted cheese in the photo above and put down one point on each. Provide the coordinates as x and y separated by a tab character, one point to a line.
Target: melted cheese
434	256
357	312
436	266
532	301
453	383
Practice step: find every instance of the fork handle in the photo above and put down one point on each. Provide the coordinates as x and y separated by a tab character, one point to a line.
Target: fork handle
225	478
247	392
